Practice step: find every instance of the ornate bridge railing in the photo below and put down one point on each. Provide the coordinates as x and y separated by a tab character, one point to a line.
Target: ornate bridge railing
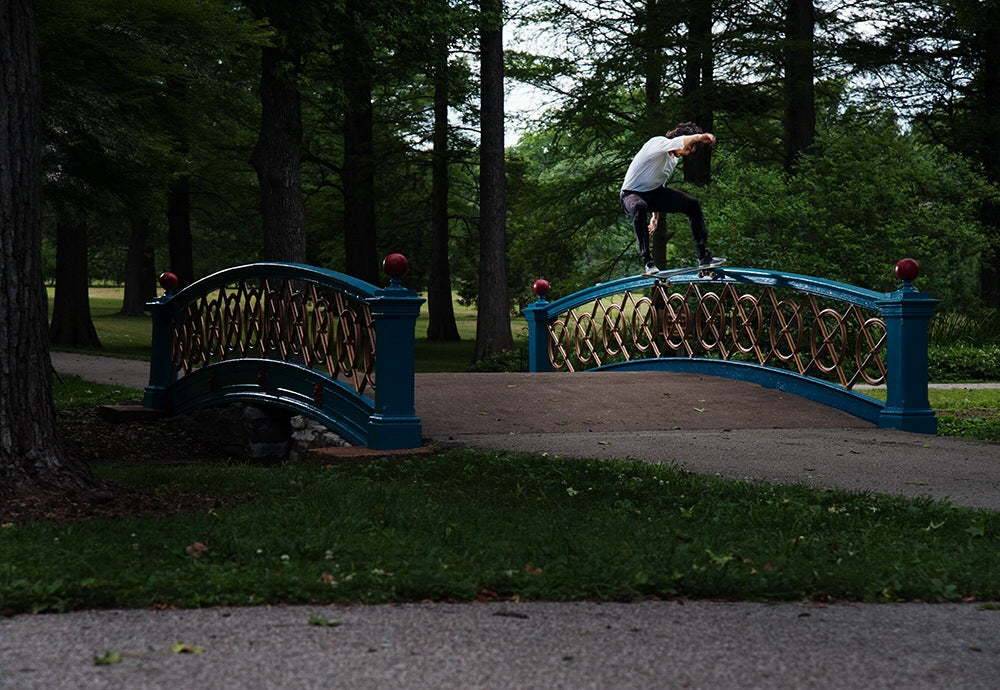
320	343
809	336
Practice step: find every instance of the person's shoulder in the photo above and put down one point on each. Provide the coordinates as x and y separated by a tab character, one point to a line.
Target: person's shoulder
659	143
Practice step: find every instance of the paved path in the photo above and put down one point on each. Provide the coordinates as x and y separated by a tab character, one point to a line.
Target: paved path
703	424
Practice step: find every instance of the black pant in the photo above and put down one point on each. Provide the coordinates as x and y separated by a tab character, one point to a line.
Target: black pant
663	200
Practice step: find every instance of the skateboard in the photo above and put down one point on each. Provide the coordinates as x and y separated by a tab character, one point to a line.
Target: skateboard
702	271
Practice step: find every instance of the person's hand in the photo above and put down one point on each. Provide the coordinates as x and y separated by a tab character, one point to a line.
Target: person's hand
653	222
708	138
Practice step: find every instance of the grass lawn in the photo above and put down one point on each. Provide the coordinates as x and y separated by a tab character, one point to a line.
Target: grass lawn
469	525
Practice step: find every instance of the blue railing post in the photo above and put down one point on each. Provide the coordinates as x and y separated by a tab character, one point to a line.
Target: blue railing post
907	313
394	423
538	330
160	370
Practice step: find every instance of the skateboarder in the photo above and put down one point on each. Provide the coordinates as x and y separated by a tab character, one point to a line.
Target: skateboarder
644	190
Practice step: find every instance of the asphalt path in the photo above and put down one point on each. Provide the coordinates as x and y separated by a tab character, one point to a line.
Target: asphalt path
698	423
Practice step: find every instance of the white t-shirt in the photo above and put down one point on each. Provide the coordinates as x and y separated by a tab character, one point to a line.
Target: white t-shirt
653	165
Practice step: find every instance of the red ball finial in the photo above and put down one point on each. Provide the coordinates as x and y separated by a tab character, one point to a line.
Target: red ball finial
395	265
907	269
541	287
169	281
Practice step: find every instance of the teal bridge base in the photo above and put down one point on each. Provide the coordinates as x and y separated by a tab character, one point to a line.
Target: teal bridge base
807	336
312	341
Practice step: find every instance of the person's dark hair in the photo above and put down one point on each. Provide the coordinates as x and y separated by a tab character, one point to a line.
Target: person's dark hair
686	129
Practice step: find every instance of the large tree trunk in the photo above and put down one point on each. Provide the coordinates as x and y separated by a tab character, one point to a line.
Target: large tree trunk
800	107
440	310
990	272
30	453
493	332
71	322
699	74
140	281
657	18
360	258
277	157
179	231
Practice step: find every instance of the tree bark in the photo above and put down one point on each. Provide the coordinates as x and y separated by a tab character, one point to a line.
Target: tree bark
31	455
990	271
360	258
441	324
179	231
493	332
140	283
277	157
71	322
800	107
699	75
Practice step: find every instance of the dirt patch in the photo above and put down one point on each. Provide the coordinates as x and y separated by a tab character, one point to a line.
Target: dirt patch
95	440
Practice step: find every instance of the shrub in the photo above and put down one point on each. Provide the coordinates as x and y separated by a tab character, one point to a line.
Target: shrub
954	363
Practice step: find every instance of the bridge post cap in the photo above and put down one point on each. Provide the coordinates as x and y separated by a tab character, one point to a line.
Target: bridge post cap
395	265
907	270
169	281
540	287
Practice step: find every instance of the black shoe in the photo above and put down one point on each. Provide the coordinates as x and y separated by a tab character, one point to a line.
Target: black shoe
707	260
651	268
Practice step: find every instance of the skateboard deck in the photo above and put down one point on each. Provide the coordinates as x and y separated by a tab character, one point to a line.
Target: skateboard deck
700	270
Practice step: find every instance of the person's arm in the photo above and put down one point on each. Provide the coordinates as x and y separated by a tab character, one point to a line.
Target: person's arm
705	138
653	222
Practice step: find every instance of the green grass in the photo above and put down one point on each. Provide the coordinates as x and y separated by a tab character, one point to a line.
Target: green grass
967	413
460	524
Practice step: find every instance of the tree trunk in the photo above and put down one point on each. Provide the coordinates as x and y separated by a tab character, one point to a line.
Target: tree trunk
71	322
440	310
30	453
360	258
800	108
179	231
699	73
990	271
657	16
493	332
652	47
140	283
277	157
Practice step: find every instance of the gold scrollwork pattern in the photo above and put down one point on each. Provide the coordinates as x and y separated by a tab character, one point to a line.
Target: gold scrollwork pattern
807	334
280	319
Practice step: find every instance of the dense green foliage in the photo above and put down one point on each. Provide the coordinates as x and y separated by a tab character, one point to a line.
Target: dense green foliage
169	89
962	363
451	526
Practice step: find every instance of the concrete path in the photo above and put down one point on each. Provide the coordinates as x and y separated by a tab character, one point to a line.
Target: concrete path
703	424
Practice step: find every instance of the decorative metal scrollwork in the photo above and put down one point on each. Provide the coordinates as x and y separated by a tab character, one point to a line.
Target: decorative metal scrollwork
280	319
812	336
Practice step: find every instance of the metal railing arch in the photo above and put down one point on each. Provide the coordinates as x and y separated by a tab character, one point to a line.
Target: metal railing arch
809	336
314	341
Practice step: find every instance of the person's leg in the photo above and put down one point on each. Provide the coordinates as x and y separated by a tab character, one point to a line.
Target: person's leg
637	209
669	200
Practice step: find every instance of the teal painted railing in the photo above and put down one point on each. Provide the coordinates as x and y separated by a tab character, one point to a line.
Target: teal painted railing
812	337
317	342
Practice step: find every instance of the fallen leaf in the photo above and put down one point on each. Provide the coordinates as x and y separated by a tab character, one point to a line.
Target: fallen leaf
107	658
324	622
185	648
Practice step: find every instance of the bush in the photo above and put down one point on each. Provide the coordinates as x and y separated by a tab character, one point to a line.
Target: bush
955	363
506	361
978	328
